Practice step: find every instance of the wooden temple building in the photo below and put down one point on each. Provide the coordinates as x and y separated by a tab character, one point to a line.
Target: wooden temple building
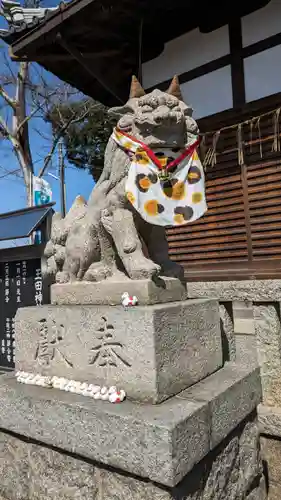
227	56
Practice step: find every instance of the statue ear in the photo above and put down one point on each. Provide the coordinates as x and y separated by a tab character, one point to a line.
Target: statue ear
136	89
174	89
120	111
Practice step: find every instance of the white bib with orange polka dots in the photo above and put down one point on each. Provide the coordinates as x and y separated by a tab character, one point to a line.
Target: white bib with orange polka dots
165	186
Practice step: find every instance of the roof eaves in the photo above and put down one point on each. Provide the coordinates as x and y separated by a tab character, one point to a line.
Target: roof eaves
21	21
17	35
16	31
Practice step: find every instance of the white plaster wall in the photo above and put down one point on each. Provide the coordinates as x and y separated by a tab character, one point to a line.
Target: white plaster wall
263	73
210	93
262	24
185	53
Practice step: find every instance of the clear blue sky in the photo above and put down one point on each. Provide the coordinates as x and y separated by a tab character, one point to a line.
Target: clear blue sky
12	193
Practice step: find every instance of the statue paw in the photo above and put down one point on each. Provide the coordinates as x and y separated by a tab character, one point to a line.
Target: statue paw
49	268
97	272
143	268
62	277
172	270
59	255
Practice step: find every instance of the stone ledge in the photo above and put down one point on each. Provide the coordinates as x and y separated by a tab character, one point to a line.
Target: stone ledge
230	399
252	290
269	420
110	291
161	443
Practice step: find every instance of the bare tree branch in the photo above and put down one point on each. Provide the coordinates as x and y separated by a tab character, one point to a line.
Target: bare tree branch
9	173
25	95
4	126
32	114
11	102
9	66
56	140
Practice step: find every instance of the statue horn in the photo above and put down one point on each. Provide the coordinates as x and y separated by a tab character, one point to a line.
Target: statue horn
136	89
174	88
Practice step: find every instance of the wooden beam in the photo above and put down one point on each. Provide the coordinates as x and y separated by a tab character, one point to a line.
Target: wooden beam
196	72
235	59
247	210
253	108
267	43
83	63
36	57
16	58
237	65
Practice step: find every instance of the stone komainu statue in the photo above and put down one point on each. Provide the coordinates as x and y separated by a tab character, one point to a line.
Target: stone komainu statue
150	180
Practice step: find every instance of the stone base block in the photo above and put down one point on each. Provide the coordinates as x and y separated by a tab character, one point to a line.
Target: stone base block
30	470
268	341
250	290
270	420
152	352
271	455
274	492
213	427
109	292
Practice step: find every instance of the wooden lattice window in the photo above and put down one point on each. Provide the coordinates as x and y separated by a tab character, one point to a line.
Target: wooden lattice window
240	235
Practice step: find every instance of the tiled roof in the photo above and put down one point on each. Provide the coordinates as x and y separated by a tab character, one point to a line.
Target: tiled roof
22	20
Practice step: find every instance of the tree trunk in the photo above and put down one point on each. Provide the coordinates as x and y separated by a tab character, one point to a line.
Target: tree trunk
21	131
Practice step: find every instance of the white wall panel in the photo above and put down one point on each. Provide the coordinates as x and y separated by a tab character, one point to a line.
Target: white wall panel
185	53
262	24
263	74
210	93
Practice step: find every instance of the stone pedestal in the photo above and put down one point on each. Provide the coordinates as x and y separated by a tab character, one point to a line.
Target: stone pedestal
153	352
270	429
187	430
199	445
110	291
